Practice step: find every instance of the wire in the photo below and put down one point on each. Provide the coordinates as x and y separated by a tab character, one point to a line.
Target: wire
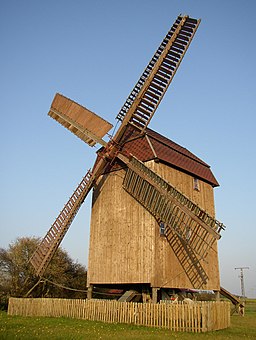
64	287
73	289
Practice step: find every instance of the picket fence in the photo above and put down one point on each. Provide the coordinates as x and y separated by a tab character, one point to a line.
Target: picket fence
195	317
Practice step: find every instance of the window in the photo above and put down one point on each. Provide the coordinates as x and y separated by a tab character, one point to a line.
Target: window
196	184
162	228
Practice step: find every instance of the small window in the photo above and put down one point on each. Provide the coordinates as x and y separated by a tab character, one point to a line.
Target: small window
196	184
162	228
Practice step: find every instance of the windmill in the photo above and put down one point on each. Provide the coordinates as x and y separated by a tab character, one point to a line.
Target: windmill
145	231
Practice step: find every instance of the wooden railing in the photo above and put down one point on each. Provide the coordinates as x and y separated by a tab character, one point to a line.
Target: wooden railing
193	317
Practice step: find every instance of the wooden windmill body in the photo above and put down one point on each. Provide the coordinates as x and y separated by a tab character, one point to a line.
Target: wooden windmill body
153	220
128	245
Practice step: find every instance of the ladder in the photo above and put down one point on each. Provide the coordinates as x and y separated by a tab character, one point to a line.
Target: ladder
48	246
154	81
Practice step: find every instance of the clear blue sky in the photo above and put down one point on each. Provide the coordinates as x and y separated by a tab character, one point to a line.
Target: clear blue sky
94	52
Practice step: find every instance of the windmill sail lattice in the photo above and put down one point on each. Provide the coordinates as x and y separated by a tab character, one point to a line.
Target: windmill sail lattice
152	85
48	246
188	259
193	225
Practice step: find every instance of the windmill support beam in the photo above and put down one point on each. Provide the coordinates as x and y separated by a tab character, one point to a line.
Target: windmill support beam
89	292
154	294
217	296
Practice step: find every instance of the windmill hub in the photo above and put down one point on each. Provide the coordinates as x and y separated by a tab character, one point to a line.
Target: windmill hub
111	151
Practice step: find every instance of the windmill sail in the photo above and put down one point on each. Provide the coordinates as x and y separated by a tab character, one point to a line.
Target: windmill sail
192	224
144	99
83	123
48	246
187	258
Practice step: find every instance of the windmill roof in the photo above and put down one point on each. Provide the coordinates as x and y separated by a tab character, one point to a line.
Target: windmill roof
153	145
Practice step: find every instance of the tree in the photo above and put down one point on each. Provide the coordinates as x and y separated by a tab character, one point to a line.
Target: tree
17	276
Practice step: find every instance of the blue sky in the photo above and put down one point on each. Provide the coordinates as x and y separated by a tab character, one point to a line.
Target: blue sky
94	52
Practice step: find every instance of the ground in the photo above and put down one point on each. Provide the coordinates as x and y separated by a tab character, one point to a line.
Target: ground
15	327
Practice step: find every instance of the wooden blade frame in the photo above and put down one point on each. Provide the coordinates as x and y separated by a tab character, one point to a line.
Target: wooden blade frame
149	91
169	211
188	259
137	88
50	243
48	246
167	204
83	123
189	230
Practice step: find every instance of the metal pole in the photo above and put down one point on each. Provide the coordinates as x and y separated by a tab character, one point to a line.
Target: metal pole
242	279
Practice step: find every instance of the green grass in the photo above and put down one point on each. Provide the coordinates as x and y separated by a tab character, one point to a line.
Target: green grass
16	327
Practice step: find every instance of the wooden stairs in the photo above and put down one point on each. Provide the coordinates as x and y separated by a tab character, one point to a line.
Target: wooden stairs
238	305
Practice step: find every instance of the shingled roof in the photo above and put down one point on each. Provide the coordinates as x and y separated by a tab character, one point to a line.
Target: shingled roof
152	145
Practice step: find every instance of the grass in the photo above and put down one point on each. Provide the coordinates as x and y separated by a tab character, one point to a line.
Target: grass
16	327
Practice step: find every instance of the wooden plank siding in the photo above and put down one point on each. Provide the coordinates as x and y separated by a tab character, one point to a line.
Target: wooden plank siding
125	242
197	317
121	248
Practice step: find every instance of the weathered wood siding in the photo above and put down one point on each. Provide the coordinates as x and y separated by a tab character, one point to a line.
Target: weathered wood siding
125	243
122	236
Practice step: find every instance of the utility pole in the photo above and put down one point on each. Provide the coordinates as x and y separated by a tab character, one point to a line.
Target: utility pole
242	279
